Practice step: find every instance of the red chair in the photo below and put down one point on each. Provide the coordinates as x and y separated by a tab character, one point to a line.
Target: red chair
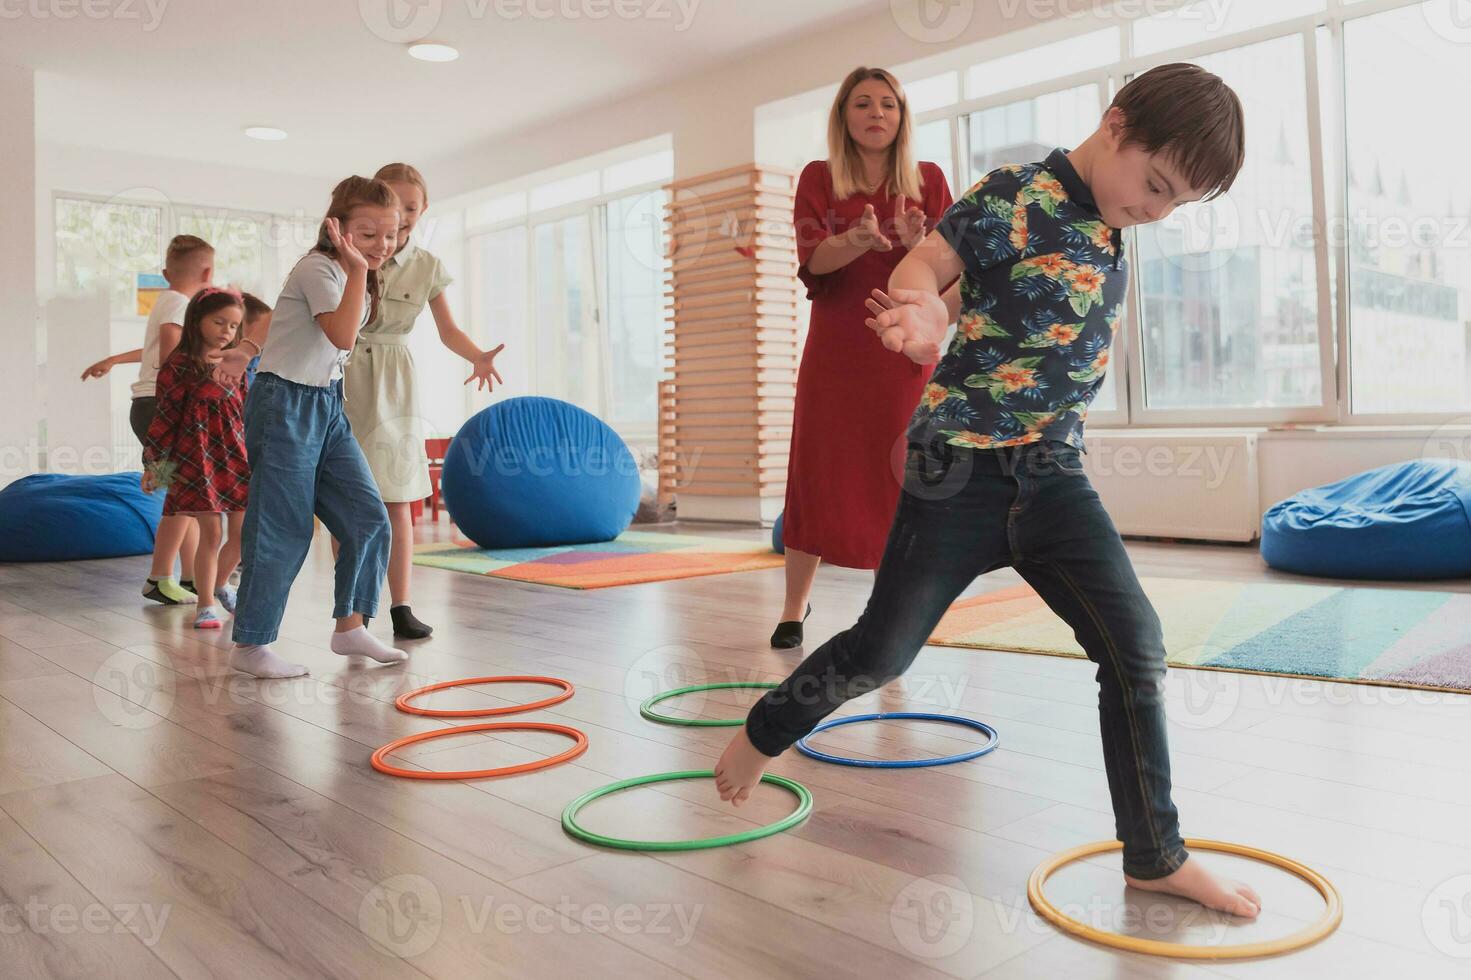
435	450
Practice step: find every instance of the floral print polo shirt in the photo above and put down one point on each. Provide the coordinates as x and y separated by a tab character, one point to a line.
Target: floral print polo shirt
1040	301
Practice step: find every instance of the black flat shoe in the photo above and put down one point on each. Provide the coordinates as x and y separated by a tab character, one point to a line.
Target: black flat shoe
788	634
406	625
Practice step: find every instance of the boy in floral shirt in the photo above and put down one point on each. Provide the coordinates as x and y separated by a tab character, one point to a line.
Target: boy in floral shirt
994	477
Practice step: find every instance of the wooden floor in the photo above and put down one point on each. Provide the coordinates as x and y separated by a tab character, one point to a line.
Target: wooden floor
161	816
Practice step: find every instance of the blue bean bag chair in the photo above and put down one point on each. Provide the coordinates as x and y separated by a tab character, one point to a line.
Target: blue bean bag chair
54	517
777	545
533	472
1404	521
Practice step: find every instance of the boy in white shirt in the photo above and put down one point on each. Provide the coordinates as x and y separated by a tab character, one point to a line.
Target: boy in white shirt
188	267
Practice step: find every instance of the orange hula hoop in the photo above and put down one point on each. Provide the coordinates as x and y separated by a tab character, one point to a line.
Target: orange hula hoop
402	701
579	747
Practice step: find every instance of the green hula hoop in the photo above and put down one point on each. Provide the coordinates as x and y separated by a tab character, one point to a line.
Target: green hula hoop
646	709
572	827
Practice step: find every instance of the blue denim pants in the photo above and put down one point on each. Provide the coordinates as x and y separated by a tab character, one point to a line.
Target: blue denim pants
304	461
962	513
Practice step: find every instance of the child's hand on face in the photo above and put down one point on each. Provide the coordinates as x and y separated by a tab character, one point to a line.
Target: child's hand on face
346	250
911	322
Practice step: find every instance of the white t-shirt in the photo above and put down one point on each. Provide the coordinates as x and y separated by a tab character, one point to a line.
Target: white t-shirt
297	349
169	307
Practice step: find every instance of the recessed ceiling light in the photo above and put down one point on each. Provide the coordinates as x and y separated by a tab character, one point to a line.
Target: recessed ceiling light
431	51
268	133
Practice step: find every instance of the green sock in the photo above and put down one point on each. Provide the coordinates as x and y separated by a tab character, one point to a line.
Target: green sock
172	590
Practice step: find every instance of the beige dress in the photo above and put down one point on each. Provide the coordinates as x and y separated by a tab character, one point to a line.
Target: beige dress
378	382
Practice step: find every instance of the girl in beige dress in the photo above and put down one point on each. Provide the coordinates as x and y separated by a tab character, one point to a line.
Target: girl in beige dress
379	384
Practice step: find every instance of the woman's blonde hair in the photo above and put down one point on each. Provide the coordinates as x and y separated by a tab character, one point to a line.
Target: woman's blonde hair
843	160
349	193
403	173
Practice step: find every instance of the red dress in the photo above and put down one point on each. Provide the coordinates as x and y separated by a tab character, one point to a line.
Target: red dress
200	428
854	397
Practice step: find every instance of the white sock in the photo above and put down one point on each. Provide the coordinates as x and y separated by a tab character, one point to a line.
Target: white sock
261	661
359	641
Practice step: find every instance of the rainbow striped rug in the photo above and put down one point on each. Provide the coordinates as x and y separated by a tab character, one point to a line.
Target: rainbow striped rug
630	558
1401	637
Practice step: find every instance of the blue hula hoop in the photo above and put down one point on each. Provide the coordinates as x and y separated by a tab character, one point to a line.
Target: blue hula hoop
979	726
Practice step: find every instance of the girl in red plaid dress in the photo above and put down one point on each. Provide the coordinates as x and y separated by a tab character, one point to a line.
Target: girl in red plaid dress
196	444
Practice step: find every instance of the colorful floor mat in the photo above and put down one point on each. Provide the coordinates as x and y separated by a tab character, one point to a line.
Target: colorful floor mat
630	558
1403	637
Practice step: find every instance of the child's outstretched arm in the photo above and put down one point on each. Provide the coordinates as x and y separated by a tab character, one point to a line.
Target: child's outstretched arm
134	356
482	361
916	326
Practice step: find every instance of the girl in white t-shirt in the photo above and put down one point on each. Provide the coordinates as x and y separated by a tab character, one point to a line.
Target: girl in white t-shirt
303	457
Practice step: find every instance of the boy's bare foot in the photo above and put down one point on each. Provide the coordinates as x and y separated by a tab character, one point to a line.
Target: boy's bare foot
1191	880
739	769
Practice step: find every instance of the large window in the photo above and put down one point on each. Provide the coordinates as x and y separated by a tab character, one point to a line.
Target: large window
635	305
1026	131
570	273
1237	311
103	245
567	352
1229	288
1409	213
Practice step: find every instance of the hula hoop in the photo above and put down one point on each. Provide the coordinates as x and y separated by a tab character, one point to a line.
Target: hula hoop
571	826
402	702
488	726
979	726
1306	936
646	709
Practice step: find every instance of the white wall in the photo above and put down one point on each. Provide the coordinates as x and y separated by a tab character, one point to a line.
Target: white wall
19	414
712	116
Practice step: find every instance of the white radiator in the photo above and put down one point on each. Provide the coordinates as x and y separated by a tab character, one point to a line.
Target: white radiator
1195	484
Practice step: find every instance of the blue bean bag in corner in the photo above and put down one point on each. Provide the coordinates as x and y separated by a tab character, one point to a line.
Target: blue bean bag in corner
1404	521
54	517
533	472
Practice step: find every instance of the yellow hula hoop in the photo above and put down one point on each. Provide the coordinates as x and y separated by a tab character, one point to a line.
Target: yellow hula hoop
1306	936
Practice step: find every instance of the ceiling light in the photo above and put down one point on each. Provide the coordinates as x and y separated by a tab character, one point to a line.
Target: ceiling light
430	51
268	133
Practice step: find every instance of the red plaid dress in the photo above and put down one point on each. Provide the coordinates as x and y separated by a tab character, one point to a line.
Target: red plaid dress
201	429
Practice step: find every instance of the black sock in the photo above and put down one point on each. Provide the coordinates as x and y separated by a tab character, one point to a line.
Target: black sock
407	625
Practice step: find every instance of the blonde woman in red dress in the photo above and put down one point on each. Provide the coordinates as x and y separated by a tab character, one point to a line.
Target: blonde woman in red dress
857	214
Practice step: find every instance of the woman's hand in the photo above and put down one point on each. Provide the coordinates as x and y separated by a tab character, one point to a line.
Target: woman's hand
909	224
346	250
231	367
99	369
866	232
147	482
484	370
912	322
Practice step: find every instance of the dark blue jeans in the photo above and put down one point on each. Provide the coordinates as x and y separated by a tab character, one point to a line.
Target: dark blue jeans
965	512
304	461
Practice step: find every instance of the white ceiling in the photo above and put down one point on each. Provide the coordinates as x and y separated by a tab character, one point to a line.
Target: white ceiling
335	74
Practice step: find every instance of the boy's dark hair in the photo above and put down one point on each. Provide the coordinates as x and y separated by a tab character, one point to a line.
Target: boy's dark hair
255	307
1191	115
